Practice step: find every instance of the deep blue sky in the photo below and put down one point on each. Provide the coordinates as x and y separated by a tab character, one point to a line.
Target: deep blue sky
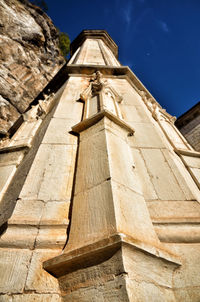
158	39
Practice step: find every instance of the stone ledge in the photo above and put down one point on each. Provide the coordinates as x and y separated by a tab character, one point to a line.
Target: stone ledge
15	148
187	152
86	123
178	232
100	251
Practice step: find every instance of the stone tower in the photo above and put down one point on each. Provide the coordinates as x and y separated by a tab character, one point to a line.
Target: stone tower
99	191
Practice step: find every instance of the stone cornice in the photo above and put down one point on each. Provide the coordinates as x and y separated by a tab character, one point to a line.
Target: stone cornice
94	34
99	251
97	117
87	70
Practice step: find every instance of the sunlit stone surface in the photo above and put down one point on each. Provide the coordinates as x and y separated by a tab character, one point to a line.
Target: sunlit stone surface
100	191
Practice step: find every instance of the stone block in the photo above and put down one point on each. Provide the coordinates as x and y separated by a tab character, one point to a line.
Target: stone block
55	213
36	298
145	180
146	268
27	212
162	177
58	132
146	135
128	93
178	233
136	114
173	134
38	280
187	276
174	211
109	58
93	53
14	265
22	236
25	133
187	294
70	109
146	292
51	237
182	176
6	298
196	173
104	281
93	167
93	217
6	173
11	158
51	175
121	163
131	214
112	291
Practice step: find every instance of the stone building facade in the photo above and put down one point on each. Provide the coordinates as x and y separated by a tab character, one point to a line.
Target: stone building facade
99	191
189	125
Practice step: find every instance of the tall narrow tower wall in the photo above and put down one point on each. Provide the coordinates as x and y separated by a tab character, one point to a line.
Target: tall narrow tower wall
107	203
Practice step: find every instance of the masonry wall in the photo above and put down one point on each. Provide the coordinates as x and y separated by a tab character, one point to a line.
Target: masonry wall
37	227
189	125
191	131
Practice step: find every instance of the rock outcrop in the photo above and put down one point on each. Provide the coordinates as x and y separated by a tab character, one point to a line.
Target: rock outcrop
29	58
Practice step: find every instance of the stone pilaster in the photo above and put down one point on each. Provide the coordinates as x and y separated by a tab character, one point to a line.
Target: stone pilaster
110	223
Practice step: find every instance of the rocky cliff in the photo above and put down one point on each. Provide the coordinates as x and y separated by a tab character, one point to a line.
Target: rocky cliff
29	58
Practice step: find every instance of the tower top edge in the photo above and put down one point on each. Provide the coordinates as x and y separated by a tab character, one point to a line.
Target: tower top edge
94	34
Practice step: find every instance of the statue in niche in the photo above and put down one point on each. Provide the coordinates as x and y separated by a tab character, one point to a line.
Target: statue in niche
99	96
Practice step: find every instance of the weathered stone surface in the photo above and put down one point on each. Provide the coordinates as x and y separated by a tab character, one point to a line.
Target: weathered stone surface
182	176
69	106
29	57
145	179
108	276
26	133
58	132
53	237
178	233
146	135
113	190
120	273
14	265
6	173
36	298
11	158
134	113
53	181
174	211
163	179
94	51
145	292
55	213
128	204
128	93
22	236
112	291
39	280
186	278
6	298
27	212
